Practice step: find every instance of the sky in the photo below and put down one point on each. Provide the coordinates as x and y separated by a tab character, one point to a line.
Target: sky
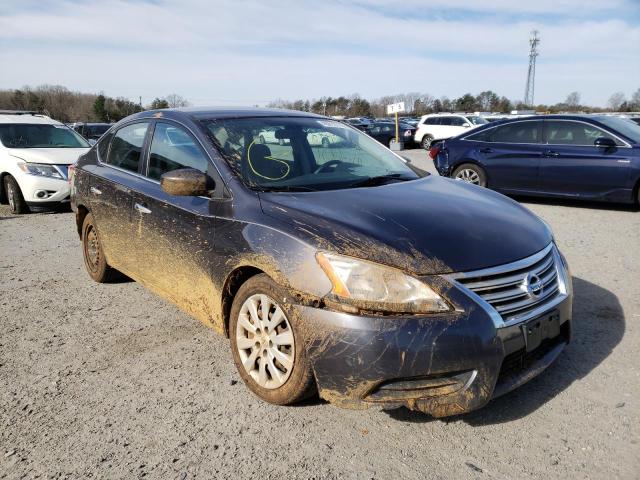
237	52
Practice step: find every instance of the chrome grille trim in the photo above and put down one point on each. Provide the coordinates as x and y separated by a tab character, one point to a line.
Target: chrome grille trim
502	290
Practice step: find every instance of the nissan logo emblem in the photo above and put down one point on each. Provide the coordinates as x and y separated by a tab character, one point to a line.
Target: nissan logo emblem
534	285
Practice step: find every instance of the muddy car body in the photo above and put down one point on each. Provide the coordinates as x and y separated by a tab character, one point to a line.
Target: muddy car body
471	297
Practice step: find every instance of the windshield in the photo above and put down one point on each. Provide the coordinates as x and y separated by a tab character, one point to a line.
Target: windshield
477	120
625	126
291	153
40	136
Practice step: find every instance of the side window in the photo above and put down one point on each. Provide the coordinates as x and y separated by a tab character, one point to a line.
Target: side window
575	133
483	136
445	121
517	132
432	121
458	121
173	148
103	147
388	128
126	146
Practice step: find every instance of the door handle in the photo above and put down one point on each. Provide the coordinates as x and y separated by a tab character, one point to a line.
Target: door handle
486	150
141	208
551	153
95	191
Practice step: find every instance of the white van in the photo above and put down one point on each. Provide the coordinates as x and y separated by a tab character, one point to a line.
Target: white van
35	154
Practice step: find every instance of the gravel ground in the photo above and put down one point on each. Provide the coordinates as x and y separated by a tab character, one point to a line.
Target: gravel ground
110	381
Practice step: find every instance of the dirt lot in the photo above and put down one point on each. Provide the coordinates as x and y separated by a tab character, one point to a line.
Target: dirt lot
110	381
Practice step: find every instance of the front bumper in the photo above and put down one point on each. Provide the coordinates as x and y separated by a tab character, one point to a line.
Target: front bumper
442	364
57	190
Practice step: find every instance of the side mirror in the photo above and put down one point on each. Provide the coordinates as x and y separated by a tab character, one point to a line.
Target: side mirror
186	182
466	125
604	142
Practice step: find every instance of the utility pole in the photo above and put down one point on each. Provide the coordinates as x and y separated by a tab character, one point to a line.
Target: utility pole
531	76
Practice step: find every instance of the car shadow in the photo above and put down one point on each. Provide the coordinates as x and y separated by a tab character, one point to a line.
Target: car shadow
563	202
598	326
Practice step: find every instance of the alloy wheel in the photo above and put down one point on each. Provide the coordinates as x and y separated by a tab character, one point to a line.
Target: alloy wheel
468	175
11	196
265	341
92	248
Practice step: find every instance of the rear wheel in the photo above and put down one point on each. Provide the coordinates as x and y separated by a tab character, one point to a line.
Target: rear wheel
470	173
14	196
267	347
94	259
426	141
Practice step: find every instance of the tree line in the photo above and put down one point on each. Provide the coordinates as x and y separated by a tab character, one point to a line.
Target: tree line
64	105
421	103
67	106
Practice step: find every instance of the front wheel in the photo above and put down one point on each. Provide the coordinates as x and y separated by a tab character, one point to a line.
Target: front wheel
470	173
14	196
426	142
267	346
94	259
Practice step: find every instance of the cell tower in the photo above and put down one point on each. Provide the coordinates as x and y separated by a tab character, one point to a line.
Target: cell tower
531	76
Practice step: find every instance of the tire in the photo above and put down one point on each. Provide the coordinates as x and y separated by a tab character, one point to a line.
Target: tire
94	259
426	141
470	173
14	196
278	384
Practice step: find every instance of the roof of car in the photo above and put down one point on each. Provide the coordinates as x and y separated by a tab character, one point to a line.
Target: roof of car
223	112
27	118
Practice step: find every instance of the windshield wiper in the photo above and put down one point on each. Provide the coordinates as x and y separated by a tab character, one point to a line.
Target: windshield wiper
286	188
379	180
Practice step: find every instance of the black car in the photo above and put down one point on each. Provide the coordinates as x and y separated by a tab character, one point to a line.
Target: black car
92	131
315	262
385	132
591	157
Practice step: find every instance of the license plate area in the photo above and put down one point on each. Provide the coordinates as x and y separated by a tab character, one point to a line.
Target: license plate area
539	329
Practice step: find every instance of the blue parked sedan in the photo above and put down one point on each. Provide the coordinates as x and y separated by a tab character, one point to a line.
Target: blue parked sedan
593	157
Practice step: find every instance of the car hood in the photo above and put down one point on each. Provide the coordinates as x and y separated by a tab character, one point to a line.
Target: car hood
52	156
427	226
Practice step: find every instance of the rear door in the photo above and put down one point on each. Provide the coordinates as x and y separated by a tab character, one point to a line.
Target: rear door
174	235
572	165
511	155
112	182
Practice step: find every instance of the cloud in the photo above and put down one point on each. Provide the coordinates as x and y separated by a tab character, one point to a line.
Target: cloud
248	52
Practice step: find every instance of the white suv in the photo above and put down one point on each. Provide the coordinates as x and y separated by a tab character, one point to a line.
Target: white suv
35	153
441	126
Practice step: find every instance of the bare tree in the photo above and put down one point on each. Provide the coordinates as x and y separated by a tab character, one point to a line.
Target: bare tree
176	101
616	100
573	100
635	100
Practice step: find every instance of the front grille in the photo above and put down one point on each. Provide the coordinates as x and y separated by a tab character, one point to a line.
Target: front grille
518	290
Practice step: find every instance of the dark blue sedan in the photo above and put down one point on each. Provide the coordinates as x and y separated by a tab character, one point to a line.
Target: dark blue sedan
593	157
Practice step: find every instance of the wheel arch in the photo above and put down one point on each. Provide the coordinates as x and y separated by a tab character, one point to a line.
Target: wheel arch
232	284
3	195
81	213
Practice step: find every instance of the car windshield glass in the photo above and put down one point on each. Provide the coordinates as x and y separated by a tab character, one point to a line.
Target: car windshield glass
477	120
297	153
40	136
624	126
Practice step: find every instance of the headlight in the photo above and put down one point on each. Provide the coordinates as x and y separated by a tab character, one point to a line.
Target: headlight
41	170
376	287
